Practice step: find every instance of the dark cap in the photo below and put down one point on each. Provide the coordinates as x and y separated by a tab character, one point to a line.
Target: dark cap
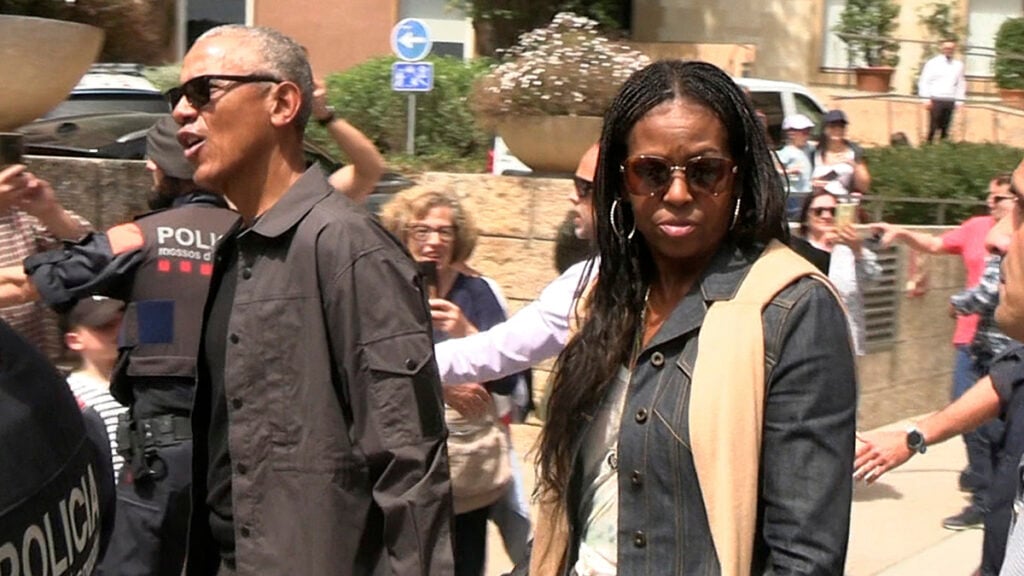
93	312
163	149
836	117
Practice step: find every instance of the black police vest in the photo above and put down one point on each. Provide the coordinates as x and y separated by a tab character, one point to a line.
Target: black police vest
161	329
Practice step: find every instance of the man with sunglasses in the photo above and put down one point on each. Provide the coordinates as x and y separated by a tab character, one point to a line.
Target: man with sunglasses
318	419
967	240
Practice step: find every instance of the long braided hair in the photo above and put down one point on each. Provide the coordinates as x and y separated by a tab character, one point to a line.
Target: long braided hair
588	364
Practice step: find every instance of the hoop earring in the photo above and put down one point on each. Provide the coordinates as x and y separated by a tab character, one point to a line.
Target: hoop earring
735	214
617	223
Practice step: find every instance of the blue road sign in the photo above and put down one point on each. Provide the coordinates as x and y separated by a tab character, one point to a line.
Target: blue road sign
412	76
410	39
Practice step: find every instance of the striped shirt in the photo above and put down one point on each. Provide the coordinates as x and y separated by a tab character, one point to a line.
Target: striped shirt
95	393
989	341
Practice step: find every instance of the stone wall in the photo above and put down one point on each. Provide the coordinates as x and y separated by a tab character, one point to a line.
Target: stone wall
518	218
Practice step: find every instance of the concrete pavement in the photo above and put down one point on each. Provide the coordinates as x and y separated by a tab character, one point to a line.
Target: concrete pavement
896	528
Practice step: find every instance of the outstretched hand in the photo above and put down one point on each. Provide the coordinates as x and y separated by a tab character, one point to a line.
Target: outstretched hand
879	452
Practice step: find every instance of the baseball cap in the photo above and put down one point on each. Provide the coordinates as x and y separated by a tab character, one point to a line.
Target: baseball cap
93	312
163	149
836	117
797	122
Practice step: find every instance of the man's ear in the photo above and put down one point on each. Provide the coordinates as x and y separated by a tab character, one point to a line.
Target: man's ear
287	102
73	341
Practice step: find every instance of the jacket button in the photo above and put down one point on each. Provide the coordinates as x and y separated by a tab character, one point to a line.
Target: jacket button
641	416
613	460
657	359
233	338
247	273
244	531
636	478
242	468
410	364
236	403
639	539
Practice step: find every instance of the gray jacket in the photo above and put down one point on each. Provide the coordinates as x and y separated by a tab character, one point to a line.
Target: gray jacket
336	430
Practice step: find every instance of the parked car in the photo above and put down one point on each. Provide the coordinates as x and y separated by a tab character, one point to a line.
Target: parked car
107	88
773	98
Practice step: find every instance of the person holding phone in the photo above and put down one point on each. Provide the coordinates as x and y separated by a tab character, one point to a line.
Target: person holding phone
437	229
830	226
839	161
32	220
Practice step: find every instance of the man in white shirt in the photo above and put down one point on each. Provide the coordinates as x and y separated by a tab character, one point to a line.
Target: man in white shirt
538	331
943	86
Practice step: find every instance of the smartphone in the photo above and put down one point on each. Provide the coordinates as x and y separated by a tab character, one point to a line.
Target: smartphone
846	214
428	272
11	148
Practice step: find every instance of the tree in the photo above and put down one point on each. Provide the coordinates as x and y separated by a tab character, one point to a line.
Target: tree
498	23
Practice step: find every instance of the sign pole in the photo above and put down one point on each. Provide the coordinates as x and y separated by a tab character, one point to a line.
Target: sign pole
410	127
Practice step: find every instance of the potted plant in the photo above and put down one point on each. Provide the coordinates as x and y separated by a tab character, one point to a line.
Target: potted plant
547	100
1009	62
866	26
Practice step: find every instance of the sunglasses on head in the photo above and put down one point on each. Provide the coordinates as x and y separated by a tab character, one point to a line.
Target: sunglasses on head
652	175
197	90
584	188
822	210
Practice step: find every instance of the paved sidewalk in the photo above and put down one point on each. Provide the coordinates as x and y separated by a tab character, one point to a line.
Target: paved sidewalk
896	528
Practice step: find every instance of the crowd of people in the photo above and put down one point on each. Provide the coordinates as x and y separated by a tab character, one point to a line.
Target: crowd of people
298	387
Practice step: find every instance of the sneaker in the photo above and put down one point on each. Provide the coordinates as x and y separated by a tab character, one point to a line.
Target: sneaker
968	519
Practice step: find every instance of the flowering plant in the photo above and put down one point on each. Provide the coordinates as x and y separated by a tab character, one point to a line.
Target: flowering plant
564	68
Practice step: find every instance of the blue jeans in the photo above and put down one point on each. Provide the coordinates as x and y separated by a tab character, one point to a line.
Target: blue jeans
982	442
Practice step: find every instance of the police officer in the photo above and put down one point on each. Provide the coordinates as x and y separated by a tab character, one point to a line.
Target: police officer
160	264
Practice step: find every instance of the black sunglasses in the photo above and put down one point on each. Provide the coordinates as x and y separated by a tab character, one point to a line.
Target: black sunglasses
197	90
584	188
652	175
822	210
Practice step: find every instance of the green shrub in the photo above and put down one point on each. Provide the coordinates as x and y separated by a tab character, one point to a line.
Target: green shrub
1009	64
946	170
163	77
446	135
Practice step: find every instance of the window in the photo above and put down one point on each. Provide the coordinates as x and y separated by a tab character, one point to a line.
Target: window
983	20
809	108
834	54
770	104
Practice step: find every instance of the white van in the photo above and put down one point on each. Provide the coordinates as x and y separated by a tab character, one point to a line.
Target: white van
773	98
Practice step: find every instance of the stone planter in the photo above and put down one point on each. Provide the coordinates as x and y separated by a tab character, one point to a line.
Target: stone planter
550	144
874	78
1013	97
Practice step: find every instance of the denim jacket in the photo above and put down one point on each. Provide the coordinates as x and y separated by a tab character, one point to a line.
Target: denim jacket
807	444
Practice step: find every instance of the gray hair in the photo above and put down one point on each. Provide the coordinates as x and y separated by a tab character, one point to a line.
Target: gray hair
281	55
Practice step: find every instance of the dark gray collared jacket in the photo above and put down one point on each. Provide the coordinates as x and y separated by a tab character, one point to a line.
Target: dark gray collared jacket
807	444
336	434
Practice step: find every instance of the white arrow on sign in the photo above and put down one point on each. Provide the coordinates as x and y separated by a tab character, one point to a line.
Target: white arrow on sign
409	39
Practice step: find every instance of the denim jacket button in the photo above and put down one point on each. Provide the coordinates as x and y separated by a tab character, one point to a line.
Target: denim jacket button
657	359
637	478
410	364
233	338
613	460
641	416
247	273
244	531
639	539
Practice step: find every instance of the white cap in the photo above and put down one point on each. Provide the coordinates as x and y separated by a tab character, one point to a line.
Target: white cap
797	122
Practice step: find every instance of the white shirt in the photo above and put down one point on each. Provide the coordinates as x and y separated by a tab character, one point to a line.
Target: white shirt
95	393
535	333
943	78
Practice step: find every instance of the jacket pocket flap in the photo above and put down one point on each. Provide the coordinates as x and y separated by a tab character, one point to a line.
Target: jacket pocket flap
162	366
406	354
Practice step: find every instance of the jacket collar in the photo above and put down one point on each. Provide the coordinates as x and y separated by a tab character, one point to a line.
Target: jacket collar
308	190
720	281
200	197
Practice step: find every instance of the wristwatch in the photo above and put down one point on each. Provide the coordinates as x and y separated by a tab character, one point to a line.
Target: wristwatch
327	119
915	440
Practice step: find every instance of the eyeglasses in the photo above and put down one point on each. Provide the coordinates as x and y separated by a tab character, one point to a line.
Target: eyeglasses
421	233
197	90
584	188
652	175
822	210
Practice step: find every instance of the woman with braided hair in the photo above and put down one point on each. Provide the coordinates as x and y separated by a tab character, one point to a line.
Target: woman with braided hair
701	419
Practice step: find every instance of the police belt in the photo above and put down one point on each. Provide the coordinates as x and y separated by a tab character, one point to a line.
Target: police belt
164	430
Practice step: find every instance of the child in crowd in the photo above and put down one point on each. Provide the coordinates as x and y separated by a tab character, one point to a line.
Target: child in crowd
90	329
